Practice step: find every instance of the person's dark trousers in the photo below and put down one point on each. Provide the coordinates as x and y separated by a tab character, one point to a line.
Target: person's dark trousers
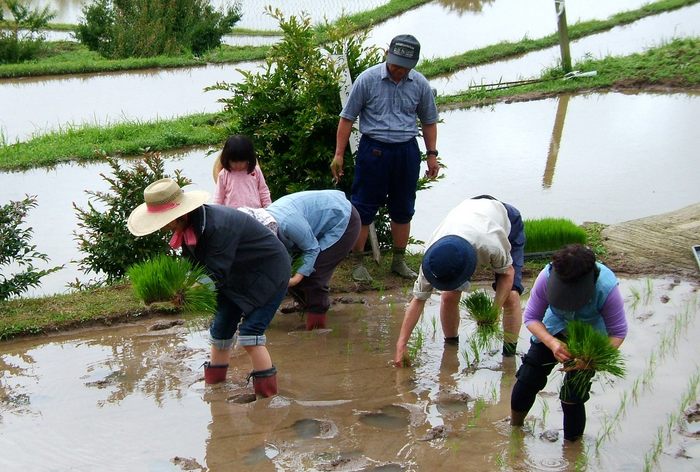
312	292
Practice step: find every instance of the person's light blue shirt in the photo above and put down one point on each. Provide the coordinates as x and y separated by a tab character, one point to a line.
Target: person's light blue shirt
310	222
388	110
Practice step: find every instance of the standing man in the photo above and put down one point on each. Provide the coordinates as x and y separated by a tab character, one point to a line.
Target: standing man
480	231
389	98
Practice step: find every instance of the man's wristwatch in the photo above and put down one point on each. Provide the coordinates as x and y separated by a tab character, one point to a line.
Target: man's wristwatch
432	152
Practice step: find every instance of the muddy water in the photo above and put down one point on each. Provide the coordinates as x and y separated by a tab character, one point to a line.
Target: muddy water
606	158
623	40
127	398
117	97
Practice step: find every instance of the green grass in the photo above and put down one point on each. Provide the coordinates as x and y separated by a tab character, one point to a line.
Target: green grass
672	65
551	234
88	143
33	316
67	57
175	280
506	50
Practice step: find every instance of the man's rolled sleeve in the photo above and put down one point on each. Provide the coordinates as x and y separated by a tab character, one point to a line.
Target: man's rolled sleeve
421	287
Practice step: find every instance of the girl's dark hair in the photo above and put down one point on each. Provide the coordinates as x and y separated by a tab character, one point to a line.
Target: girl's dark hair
573	261
236	149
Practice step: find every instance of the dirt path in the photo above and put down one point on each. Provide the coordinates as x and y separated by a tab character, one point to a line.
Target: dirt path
659	244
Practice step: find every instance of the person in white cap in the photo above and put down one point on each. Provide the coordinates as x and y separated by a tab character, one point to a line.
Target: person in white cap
248	264
479	232
389	98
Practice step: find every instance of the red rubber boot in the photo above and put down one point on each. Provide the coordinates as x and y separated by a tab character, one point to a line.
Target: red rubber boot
214	374
264	382
315	321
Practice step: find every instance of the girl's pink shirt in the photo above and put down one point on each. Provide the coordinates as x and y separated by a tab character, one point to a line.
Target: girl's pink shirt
240	189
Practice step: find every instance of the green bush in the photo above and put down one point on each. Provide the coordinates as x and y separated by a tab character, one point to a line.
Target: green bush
103	235
291	108
16	251
20	37
146	28
551	234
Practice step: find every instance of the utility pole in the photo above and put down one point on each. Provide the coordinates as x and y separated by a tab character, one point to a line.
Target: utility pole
563	35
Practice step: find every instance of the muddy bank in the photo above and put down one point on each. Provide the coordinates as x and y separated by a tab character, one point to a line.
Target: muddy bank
659	244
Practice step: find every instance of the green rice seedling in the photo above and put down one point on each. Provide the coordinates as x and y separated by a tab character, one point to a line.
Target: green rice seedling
551	234
433	321
173	280
481	308
545	410
415	344
592	352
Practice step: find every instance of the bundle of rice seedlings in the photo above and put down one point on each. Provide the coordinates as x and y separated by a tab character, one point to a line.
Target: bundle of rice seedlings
481	308
591	352
551	234
174	280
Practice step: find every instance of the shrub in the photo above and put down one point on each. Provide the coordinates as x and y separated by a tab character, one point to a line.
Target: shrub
103	235
291	108
145	28
20	37
551	234
16	250
174	280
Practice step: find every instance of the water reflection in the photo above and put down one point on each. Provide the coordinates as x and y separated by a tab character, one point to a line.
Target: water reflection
618	157
461	6
555	142
253	17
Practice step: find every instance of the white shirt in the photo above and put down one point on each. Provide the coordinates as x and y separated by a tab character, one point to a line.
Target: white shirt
485	225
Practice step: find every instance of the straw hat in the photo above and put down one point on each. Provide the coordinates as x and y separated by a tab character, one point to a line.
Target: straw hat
165	201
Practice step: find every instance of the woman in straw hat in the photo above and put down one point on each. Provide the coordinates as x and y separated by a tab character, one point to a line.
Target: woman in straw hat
248	264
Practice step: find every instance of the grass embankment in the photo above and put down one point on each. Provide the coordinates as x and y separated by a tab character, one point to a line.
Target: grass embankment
676	64
506	49
86	143
66	57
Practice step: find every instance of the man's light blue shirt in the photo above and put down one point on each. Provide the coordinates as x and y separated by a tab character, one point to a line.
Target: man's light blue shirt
310	222
388	110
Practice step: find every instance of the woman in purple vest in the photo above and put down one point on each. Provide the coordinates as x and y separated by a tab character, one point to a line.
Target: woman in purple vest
573	287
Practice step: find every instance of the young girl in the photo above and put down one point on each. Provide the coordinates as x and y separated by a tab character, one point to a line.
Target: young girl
240	182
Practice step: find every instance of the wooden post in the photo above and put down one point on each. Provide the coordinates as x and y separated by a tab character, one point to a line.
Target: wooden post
354	141
563	35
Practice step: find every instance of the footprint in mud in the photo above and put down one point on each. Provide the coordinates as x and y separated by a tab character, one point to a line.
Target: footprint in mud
309	428
260	454
389	417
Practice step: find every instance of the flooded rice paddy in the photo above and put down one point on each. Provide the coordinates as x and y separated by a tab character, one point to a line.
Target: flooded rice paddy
133	398
602	157
109	98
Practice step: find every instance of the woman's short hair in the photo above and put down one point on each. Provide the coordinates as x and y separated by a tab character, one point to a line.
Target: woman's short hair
573	261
